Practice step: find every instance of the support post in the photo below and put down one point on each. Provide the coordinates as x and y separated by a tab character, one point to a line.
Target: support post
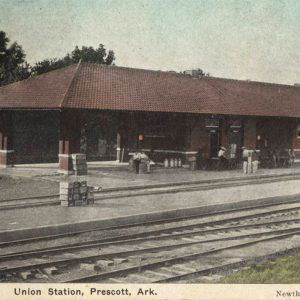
6	139
118	147
69	142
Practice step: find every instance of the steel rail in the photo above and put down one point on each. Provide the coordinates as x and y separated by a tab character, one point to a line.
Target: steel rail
188	188
193	188
224	267
138	237
176	219
170	261
286	232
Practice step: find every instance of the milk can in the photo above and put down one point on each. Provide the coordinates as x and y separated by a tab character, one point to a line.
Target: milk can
166	163
172	162
175	162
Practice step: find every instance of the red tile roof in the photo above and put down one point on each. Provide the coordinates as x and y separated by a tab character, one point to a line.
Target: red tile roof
45	91
93	86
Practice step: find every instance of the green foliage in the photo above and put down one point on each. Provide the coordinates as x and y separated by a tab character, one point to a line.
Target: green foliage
13	66
85	54
12	61
285	270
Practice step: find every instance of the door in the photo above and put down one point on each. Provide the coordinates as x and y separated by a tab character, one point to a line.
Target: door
235	143
214	143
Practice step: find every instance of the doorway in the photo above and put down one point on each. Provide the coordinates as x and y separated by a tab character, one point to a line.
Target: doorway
214	143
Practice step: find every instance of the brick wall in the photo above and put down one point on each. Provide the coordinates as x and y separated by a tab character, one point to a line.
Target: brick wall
35	136
199	138
250	133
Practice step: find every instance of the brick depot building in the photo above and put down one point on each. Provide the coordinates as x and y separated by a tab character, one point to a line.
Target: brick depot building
108	111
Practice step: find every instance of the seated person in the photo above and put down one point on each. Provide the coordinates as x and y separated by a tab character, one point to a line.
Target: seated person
139	157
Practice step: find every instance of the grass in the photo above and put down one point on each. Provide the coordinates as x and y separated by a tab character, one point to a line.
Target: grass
281	270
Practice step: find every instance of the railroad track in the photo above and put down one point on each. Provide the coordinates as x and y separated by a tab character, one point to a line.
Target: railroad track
159	252
236	214
165	188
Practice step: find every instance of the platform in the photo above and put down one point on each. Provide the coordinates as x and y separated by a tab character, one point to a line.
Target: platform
27	222
113	175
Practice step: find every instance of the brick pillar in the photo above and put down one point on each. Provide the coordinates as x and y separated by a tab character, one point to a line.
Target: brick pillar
69	141
250	134
6	139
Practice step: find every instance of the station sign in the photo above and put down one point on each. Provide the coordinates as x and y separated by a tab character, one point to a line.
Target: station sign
212	123
235	124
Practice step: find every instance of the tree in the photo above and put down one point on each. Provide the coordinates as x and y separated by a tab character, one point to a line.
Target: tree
13	66
12	61
85	54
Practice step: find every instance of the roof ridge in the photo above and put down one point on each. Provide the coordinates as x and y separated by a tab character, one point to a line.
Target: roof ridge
250	81
69	86
181	75
32	77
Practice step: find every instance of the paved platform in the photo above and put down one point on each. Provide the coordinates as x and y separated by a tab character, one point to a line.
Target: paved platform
114	175
29	222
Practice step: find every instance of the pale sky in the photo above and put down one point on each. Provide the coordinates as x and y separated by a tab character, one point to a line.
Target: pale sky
241	39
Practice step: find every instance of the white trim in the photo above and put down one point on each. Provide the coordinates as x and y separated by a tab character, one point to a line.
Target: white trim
64	155
7	151
168	151
65	172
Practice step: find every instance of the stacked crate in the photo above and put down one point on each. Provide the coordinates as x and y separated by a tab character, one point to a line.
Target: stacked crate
79	164
66	193
76	194
90	195
79	193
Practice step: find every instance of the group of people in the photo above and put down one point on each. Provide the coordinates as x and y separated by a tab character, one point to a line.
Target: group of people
277	158
267	158
224	156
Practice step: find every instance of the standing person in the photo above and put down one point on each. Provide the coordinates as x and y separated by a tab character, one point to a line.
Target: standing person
245	154
222	157
137	157
255	161
291	157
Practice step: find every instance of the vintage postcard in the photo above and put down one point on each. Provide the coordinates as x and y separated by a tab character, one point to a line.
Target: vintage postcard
149	149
